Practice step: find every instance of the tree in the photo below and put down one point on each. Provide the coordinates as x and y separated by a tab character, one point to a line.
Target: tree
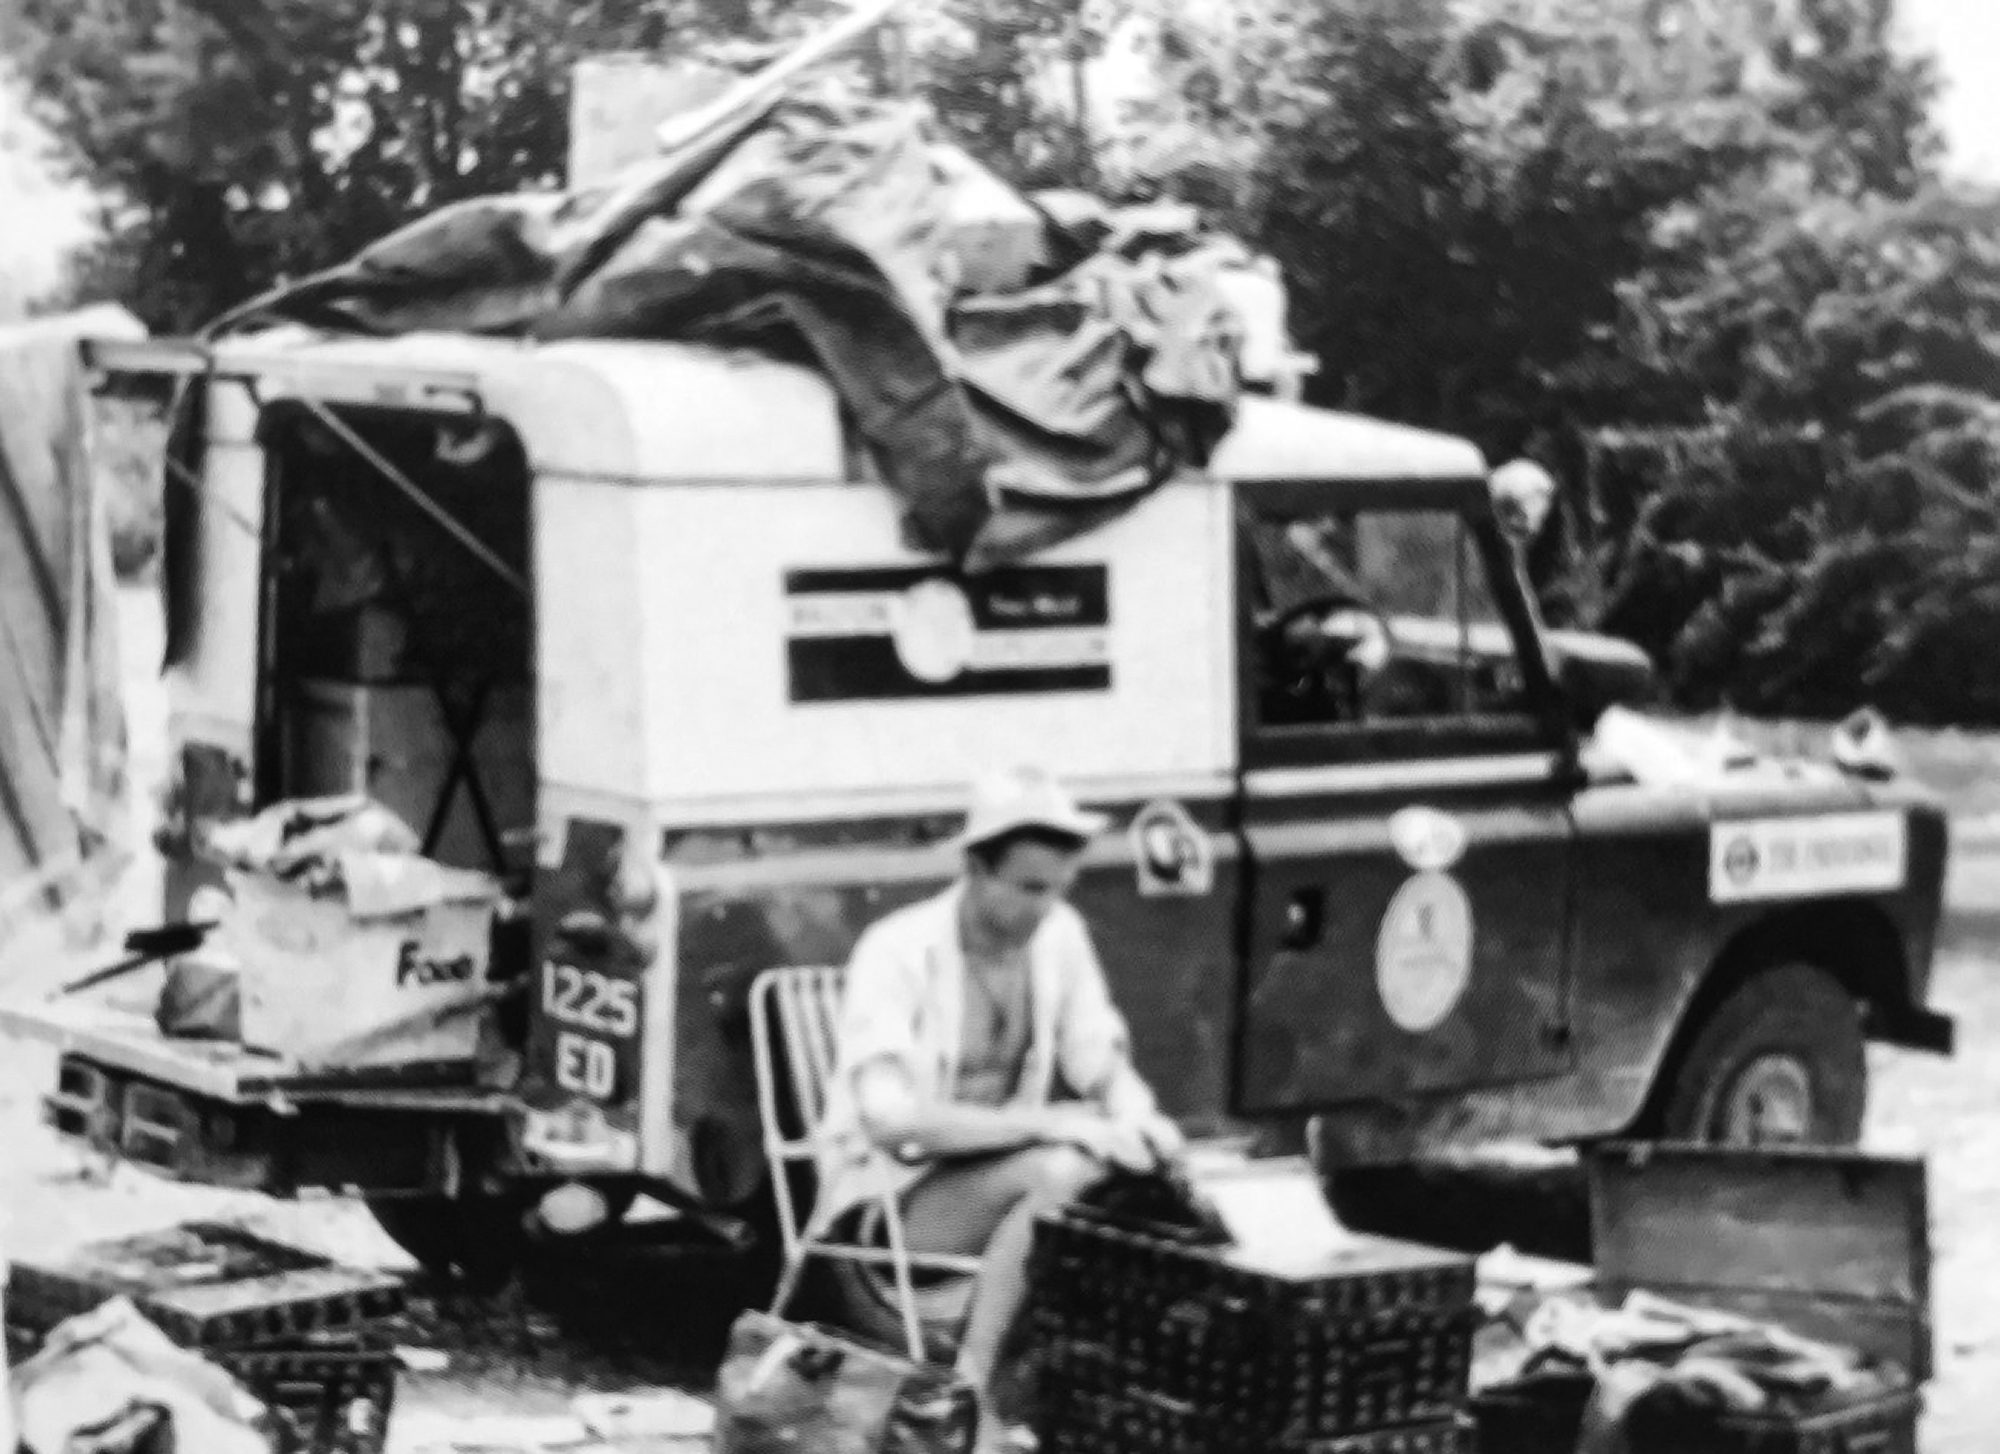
994	74
1878	321
1711	224
237	142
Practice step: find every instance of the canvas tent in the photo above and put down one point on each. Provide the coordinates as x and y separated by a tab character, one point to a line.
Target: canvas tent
62	734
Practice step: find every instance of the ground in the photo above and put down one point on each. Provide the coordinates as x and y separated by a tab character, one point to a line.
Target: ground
657	1319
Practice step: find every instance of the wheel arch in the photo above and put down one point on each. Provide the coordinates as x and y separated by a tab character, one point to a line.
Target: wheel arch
1853	940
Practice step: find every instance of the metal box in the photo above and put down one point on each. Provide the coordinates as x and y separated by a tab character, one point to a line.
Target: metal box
1831	1244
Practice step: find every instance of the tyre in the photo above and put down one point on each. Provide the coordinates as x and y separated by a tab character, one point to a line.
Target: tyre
473	1243
1779	1061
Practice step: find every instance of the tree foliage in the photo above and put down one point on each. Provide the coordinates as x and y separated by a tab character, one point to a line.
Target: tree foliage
240	141
998	76
1710	229
1875	322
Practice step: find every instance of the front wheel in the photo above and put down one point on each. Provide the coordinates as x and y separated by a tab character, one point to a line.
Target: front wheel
1779	1061
474	1243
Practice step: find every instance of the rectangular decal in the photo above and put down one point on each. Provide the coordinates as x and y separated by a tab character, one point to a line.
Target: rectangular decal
1785	858
912	632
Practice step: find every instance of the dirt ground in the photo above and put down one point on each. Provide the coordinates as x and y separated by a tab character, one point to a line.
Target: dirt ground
658	1320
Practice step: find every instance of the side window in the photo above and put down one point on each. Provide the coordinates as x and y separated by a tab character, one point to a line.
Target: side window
1371	622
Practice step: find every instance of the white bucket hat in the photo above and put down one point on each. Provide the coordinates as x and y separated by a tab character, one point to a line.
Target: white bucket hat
1024	797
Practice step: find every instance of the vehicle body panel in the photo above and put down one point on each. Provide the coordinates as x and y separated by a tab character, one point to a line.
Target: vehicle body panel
756	710
1324	1023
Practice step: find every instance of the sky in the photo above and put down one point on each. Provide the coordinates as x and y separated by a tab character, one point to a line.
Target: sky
1964	37
44	219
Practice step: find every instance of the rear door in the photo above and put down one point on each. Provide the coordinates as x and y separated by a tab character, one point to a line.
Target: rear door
1406	827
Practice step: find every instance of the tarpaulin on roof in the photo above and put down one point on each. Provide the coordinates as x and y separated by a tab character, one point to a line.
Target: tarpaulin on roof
62	737
823	229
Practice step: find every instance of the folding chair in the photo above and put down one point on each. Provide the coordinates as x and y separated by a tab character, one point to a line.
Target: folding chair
799	1010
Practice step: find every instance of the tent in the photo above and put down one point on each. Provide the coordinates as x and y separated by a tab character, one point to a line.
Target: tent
62	730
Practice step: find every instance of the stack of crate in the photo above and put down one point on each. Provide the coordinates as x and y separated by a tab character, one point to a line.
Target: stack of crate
306	1336
1147	1340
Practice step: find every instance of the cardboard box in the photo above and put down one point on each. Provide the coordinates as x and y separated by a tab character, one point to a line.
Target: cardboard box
333	991
390	742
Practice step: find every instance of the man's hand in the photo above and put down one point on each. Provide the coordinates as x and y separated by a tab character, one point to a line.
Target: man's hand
1162	1136
1137	1144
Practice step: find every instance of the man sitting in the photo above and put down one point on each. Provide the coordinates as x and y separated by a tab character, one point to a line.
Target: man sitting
983	1073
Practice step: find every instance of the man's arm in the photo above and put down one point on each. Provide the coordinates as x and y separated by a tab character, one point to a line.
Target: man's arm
1096	1055
898	1122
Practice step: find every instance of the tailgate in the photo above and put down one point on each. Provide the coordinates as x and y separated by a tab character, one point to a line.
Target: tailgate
127	1040
220	1115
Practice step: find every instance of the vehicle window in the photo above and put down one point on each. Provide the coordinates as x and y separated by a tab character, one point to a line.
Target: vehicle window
1372	618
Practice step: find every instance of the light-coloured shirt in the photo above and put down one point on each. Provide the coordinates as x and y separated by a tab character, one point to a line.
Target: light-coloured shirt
994	1034
905	1000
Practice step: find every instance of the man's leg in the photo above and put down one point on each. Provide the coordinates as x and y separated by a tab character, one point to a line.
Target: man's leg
988	1208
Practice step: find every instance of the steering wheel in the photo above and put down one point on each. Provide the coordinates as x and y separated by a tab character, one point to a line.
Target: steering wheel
1316	656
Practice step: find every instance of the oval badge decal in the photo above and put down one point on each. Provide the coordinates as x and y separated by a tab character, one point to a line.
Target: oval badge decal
1423	954
1427	840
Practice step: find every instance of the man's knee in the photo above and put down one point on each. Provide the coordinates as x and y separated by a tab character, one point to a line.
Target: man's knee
1059	1174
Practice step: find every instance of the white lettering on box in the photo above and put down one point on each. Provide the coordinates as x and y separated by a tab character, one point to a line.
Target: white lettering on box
1785	858
416	969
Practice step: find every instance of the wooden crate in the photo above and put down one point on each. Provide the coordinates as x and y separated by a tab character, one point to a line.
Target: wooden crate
1831	1244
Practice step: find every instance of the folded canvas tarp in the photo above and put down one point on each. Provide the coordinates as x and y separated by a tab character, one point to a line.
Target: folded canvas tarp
822	229
62	732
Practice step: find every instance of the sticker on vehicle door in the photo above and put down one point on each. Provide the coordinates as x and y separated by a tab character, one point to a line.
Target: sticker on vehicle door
1171	853
1426	839
907	633
1423	952
1786	858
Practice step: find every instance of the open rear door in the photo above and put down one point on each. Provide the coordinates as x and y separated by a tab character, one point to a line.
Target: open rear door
269	705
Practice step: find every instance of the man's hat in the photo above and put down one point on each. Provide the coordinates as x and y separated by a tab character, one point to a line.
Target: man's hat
1025	797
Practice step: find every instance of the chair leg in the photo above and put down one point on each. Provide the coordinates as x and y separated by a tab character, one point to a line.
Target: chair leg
906	1291
788	1282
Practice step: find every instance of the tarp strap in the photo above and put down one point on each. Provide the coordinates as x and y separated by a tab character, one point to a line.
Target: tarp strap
39	889
479	548
181	475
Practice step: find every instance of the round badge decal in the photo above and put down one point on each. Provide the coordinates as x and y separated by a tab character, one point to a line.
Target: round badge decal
1741	860
1426	839
1171	852
932	627
1423	953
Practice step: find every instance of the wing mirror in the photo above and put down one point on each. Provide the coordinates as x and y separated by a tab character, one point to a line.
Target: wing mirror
1596	672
